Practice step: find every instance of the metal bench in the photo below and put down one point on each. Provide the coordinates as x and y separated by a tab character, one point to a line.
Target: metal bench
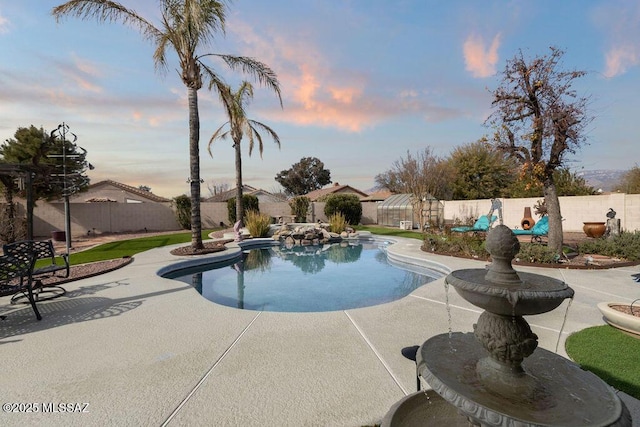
16	277
42	250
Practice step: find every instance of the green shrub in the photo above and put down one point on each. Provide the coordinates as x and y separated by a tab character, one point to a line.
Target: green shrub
299	207
463	244
347	204
257	223
626	245
249	203
337	223
536	253
183	211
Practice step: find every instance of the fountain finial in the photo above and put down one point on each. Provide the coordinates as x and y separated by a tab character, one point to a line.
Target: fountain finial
503	246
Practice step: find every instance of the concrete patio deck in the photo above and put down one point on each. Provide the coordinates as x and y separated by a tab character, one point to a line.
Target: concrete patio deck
131	348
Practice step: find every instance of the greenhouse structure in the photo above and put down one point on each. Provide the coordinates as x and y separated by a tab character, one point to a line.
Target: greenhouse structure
399	211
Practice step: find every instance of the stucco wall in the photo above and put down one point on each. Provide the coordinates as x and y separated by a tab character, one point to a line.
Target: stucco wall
575	210
103	218
124	217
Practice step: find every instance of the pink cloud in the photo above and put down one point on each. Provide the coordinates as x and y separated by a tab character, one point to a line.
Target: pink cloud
620	24
619	59
313	93
481	61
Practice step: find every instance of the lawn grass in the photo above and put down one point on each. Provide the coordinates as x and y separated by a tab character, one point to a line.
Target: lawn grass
610	354
130	247
384	231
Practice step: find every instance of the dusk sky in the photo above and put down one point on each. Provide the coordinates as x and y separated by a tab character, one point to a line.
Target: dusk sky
363	82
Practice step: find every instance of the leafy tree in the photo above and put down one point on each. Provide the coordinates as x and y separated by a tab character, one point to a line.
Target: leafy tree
305	176
185	27
249	201
183	210
299	207
567	184
630	181
538	119
480	172
347	204
571	184
33	146
240	126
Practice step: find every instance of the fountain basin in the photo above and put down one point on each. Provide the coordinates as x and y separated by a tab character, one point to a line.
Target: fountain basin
423	408
560	393
534	294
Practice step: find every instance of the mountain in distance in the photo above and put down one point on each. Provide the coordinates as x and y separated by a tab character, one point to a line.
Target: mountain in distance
604	179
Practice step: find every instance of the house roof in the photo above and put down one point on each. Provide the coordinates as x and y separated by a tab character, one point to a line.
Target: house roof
145	194
230	194
335	188
378	196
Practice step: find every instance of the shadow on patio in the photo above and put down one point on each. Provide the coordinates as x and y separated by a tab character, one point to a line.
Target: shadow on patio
73	307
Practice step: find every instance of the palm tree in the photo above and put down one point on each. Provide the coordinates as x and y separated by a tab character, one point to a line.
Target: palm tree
185	27
239	126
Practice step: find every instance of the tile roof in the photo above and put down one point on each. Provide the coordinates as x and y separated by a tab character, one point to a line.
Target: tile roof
146	194
335	188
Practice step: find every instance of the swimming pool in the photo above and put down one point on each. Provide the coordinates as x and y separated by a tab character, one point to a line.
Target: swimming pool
329	277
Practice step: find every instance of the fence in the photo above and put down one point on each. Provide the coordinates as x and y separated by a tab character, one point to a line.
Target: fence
122	217
575	210
99	218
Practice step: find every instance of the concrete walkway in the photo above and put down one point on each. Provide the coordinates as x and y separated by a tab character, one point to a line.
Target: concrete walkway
131	348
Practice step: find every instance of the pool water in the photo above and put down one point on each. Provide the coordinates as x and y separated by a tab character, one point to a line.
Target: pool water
306	278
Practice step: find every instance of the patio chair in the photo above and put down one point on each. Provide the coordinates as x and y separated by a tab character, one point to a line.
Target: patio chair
16	277
481	225
537	232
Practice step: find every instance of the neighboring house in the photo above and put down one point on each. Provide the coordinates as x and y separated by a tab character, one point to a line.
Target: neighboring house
262	195
335	189
115	192
378	196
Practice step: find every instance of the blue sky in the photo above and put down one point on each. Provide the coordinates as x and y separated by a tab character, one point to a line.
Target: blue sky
363	82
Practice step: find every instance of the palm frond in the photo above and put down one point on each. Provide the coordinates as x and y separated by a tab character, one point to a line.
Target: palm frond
105	11
218	134
256	69
271	132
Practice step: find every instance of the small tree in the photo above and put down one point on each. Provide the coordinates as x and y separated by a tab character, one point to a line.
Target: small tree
347	204
182	204
299	207
249	203
538	119
480	172
37	148
423	175
305	176
630	181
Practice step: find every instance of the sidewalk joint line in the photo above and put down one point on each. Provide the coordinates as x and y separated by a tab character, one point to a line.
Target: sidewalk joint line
206	375
378	355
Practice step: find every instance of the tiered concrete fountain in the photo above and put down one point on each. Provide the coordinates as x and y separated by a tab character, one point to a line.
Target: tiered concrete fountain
497	376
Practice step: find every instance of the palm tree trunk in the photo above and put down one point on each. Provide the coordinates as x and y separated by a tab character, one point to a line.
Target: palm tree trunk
239	205
194	167
555	216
